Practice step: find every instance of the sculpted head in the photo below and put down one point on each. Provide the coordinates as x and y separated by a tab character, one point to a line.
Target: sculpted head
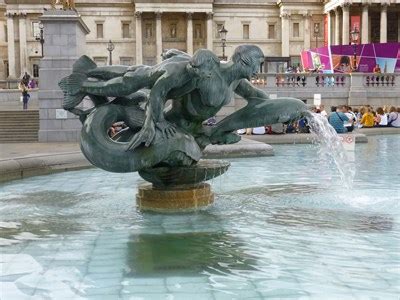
248	59
203	62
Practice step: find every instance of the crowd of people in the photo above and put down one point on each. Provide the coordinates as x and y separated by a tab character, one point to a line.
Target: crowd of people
342	118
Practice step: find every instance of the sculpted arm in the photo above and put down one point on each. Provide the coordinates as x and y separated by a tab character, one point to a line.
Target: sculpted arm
174	77
246	90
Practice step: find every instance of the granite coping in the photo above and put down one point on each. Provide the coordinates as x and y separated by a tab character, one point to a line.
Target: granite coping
19	161
297	138
361	136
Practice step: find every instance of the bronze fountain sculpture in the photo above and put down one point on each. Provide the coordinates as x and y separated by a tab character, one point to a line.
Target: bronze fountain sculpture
165	144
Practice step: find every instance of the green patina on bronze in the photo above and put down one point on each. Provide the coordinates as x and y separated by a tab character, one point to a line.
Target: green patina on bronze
159	136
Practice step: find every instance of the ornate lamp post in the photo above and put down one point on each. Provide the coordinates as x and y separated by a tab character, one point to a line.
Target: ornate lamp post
355	34
40	38
110	48
223	33
316	34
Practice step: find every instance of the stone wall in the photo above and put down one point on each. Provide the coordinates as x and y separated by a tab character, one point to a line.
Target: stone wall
64	32
3	39
14	95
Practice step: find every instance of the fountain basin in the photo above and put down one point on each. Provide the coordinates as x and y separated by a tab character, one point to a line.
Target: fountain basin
204	170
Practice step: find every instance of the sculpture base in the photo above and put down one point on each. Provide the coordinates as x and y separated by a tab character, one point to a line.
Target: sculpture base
174	199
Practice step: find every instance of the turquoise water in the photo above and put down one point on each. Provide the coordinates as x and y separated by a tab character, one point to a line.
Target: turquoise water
281	227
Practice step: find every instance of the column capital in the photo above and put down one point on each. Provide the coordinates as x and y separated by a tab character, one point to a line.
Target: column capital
138	14
210	15
366	3
285	15
10	15
189	15
346	5
385	4
307	14
158	14
23	14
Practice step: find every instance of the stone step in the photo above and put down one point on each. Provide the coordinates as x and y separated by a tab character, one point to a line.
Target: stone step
5	141
19	126
19	113
18	130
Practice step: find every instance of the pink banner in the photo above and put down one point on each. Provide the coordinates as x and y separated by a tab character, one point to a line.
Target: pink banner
326	31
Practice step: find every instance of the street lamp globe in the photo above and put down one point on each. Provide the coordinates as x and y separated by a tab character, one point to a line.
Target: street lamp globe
110	46
355	34
316	29
41	26
222	33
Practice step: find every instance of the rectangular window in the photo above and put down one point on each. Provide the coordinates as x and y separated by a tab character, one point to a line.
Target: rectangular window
6	69
35	29
271	31
246	31
125	61
296	30
198	34
148	33
35	69
99	30
126	32
5	34
100	61
172	30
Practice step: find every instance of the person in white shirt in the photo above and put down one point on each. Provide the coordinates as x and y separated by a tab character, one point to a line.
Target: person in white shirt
381	118
349	125
323	111
259	130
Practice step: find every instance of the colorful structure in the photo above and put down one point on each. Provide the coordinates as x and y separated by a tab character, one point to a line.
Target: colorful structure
347	58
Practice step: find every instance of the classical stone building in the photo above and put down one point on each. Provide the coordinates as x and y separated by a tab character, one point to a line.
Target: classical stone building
142	29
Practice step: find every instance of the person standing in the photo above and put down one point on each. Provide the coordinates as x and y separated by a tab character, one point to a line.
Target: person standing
25	94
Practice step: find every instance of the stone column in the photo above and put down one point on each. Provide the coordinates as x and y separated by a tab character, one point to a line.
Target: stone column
383	36
364	24
337	27
65	36
398	27
357	93
346	24
210	31
23	53
158	36
285	33
189	35
11	46
307	32
329	21
139	48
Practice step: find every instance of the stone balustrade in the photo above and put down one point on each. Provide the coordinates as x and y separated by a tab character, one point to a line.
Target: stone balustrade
334	89
13	95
